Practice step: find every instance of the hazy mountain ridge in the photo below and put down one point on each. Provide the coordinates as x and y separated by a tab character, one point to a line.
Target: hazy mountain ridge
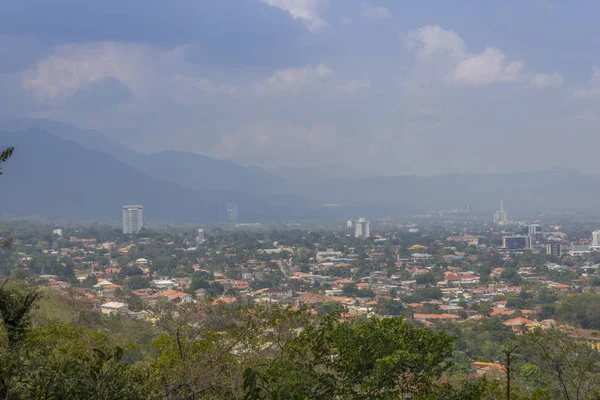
85	175
52	177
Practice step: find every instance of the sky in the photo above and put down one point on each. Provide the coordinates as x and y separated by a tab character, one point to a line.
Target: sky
382	86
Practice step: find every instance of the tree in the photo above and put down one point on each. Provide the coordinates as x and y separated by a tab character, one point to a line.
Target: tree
377	358
570	365
582	309
137	282
5	155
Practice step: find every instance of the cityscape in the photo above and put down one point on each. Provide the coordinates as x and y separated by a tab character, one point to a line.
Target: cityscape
299	200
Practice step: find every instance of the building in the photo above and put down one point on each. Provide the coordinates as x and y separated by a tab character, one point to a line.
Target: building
579	250
232	212
532	229
349	223
553	248
596	240
501	216
133	219
362	229
516	242
114	307
57	231
200	237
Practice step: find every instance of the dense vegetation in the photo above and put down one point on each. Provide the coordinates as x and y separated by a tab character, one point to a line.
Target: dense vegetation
57	347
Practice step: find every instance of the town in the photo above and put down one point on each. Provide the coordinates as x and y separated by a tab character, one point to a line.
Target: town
458	271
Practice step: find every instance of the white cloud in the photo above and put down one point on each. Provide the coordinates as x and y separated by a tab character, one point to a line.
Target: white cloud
354	86
373	12
288	78
306	11
434	40
144	70
488	67
592	89
551	80
73	67
445	51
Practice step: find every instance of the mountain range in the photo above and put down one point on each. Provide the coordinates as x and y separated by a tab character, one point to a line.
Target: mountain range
61	171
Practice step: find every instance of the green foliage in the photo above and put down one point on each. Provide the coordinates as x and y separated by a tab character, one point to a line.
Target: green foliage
137	282
377	358
582	309
5	154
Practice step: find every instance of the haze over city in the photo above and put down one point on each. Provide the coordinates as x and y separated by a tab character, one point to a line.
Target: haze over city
378	87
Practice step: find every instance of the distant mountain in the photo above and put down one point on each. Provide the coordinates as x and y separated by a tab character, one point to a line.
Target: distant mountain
86	175
319	173
196	171
52	177
547	190
89	138
205	173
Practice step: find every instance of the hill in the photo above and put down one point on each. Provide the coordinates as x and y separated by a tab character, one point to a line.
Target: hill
51	177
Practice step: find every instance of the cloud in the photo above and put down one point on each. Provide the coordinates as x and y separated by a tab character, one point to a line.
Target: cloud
488	67
306	11
373	12
551	80
73	67
592	89
433	40
445	51
354	86
144	71
288	78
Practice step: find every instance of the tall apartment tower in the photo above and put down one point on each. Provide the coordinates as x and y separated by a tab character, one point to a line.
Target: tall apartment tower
596	240
232	212
200	237
532	229
362	229
553	248
501	216
133	219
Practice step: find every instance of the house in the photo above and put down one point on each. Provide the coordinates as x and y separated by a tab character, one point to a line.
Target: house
310	299
436	317
519	324
482	368
163	284
114	307
174	296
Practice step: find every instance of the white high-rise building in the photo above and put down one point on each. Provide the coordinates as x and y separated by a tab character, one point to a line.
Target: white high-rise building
596	240
532	229
133	219
501	217
362	229
232	212
200	237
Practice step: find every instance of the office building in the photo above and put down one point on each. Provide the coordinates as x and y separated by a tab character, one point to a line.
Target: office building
362	229
501	216
596	240
232	212
553	248
200	237
532	229
133	220
516	242
349	223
